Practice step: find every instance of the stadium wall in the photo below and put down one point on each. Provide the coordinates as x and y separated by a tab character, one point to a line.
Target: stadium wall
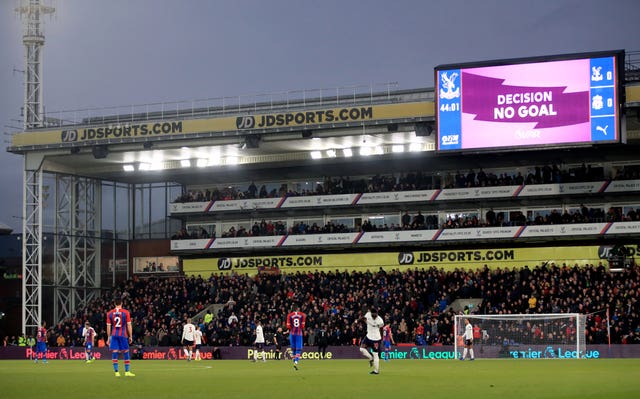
345	352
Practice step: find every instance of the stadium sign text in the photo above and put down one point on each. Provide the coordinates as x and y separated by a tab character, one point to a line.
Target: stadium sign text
120	131
338	352
276	262
418	353
304	118
408	258
553	353
272	355
63	354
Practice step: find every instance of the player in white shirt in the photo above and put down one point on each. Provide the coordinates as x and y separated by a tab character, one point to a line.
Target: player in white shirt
259	343
198	341
188	337
468	340
372	340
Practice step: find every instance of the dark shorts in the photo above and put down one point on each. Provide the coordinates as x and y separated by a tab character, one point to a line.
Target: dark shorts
88	346
258	345
198	346
387	344
187	343
468	342
41	347
373	345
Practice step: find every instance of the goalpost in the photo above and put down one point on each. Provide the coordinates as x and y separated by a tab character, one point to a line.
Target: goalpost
524	336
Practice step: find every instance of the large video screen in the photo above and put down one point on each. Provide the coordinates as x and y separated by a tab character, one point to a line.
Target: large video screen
571	99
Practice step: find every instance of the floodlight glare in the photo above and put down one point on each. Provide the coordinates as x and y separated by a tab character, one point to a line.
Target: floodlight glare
415	147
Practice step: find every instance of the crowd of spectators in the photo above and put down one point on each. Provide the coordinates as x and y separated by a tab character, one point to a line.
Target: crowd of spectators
517	218
417	180
628	172
184	234
416	303
582	214
279	228
411	181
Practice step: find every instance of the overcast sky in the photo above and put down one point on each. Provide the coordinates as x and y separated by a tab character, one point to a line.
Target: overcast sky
120	52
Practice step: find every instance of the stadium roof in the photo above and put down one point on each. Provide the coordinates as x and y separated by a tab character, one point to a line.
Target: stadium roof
4	229
217	141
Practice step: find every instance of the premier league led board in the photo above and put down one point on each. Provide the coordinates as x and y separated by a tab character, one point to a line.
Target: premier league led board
533	102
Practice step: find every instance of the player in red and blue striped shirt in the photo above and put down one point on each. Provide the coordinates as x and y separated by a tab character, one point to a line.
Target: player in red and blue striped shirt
295	324
89	335
119	332
41	342
387	340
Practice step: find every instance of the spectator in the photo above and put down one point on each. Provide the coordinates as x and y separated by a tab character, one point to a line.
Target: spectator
412	300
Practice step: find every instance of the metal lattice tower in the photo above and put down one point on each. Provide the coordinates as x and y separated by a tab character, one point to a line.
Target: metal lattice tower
77	244
31	12
31	250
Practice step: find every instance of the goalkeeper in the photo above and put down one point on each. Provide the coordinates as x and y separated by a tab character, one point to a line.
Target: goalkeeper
468	340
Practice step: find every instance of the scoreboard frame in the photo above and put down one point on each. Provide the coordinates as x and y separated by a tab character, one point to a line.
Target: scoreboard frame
453	123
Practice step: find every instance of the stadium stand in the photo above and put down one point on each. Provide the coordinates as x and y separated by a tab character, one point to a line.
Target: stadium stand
196	200
415	302
415	180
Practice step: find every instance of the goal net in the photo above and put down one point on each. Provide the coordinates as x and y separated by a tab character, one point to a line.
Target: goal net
524	336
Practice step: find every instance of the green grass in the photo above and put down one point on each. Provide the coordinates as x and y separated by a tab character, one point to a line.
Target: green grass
399	379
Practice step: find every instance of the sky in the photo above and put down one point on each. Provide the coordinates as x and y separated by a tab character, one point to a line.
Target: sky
119	52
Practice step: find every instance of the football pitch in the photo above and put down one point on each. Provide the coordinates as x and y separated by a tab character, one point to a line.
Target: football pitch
398	379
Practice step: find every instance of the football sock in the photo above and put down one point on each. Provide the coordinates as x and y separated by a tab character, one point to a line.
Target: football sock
366	353
197	354
190	353
126	361
464	353
255	355
376	361
264	359
186	353
114	359
471	352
